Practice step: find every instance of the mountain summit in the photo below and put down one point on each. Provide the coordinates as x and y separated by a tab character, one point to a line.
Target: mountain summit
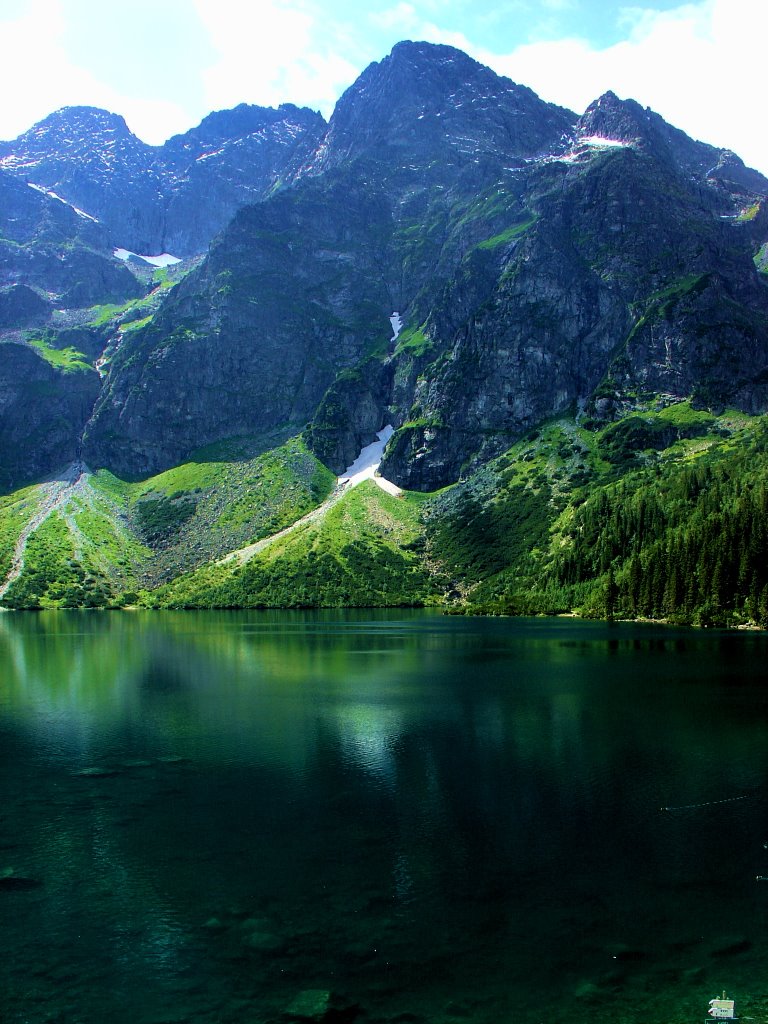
425	96
540	262
173	197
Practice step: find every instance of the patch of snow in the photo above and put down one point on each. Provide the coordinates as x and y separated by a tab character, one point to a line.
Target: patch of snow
397	325
603	143
207	156
54	195
163	260
580	147
367	463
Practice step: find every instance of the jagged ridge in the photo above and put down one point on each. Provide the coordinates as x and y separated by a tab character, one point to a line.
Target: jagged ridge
544	265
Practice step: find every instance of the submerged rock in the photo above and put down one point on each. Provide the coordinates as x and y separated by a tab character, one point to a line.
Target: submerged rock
625	954
589	992
258	935
731	945
18	883
97	773
311	1004
213	924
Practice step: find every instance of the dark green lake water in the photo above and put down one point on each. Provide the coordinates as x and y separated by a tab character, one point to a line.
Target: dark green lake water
203	816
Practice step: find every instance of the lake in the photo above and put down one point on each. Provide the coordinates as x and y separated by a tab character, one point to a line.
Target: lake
379	817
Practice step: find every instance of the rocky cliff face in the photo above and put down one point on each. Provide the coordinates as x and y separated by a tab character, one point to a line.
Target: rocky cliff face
541	262
170	198
46	245
43	409
287	298
627	282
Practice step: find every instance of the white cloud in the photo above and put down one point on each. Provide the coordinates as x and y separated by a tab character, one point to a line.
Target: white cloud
701	66
401	16
274	52
39	76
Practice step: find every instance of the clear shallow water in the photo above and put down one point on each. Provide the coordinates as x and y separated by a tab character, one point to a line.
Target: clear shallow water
430	818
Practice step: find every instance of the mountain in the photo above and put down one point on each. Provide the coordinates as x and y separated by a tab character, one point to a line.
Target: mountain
541	263
169	198
436	98
79	187
361	232
602	272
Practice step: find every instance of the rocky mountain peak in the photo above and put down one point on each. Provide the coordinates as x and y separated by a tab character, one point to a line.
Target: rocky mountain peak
72	133
245	120
613	118
89	158
149	197
67	122
626	121
76	150
425	96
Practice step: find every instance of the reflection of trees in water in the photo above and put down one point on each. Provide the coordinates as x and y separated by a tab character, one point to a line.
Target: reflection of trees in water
480	799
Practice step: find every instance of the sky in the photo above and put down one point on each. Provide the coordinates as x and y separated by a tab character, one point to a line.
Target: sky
165	64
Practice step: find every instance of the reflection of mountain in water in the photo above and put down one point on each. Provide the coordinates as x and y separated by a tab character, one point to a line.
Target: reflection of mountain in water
272	803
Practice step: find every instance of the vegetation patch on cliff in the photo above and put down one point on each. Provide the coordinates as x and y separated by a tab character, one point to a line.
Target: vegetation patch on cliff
69	360
508	235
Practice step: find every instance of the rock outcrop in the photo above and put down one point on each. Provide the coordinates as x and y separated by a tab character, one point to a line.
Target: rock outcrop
170	198
541	262
43	409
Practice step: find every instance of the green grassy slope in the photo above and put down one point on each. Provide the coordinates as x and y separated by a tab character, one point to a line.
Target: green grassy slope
659	515
108	539
83	554
662	514
16	511
232	495
366	551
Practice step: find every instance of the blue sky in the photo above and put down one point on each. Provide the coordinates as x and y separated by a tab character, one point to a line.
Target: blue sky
164	64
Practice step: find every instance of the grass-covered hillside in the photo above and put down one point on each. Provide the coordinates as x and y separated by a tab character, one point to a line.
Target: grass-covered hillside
659	515
366	550
102	541
662	514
